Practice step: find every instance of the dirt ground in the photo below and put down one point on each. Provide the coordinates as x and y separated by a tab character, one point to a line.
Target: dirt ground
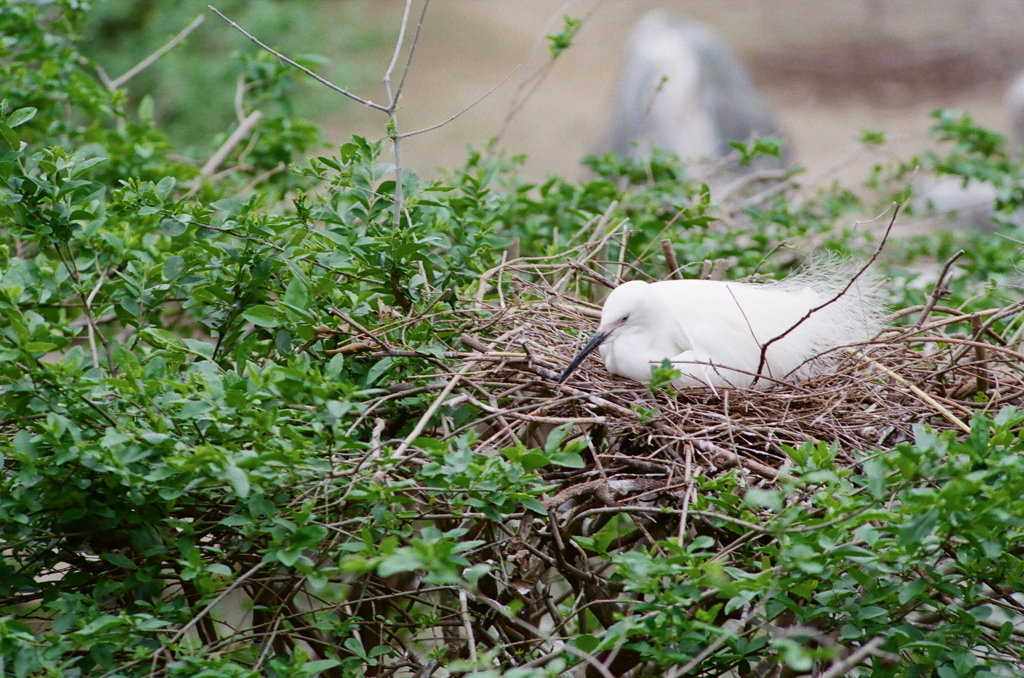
830	68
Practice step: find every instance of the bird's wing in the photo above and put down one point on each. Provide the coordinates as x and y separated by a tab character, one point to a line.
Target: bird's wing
728	323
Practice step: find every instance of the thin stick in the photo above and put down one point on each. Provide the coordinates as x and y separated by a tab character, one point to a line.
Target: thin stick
398	50
206	610
915	390
323	81
940	290
532	82
687	490
396	212
841	668
982	383
412	50
468	626
670	259
148	61
229	144
476	101
840	295
434	406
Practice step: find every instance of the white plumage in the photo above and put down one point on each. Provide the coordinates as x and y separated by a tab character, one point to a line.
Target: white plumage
713	331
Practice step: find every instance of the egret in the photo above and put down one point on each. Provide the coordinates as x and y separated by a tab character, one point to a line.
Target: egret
713	331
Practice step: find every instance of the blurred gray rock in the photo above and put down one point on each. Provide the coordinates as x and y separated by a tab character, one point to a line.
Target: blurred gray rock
683	89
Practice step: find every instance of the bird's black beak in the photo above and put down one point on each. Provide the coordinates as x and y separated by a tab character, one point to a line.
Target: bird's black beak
594	342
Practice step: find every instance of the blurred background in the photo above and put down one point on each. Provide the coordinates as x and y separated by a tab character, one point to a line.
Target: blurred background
828	68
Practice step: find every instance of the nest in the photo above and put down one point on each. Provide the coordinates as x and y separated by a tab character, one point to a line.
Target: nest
938	371
644	450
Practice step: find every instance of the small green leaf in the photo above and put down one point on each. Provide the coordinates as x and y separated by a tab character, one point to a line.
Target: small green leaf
24	446
535	506
319	666
239	480
568	460
262	316
199	348
531	461
297	294
769	499
161	338
164	187
918	528
120	560
173	268
84	166
21	116
556	437
587	643
9	135
39	346
402	561
146	110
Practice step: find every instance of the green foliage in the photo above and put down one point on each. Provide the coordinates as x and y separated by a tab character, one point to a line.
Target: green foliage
211	390
853	556
197	84
562	40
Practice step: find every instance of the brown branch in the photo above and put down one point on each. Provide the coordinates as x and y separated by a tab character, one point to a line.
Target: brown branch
670	259
323	81
148	61
874	257
940	290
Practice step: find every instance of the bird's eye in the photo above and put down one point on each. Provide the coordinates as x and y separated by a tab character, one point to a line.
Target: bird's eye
624	318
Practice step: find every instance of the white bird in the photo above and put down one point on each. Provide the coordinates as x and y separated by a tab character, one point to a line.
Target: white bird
713	331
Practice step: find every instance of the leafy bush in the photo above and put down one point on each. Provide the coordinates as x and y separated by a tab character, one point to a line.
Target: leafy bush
215	391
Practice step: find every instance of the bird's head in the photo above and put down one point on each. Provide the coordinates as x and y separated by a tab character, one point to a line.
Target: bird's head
624	308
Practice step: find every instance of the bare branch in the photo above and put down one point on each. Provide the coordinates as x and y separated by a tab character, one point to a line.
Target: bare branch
148	61
841	668
940	290
468	626
229	144
412	50
464	110
398	49
874	257
315	76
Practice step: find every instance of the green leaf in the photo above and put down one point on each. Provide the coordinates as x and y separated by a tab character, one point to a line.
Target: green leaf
261	316
535	506
120	560
918	528
769	499
405	560
555	437
12	138
21	116
320	665
531	461
39	346
146	110
377	369
24	446
84	166
297	294
159	338
568	460
173	267
165	187
587	643
239	480
199	348
911	591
